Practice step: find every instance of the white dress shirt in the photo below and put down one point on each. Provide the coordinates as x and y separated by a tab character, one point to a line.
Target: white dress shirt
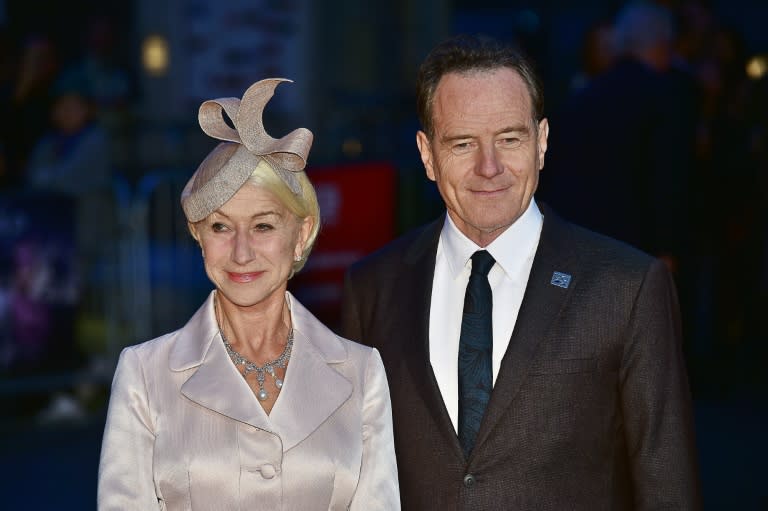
513	251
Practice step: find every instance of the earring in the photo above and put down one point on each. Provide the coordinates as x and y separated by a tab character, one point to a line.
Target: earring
297	258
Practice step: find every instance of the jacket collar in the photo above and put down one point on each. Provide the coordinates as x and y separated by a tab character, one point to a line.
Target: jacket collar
195	338
512	250
313	389
413	312
539	311
311	392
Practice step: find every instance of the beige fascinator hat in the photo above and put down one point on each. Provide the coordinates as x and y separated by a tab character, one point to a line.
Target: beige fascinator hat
231	163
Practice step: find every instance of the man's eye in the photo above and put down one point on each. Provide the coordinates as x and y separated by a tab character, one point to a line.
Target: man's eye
510	141
462	147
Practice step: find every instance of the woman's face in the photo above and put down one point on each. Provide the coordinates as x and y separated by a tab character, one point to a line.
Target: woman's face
249	246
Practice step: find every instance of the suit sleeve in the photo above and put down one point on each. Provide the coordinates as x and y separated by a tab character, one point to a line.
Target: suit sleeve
656	402
351	327
125	468
378	487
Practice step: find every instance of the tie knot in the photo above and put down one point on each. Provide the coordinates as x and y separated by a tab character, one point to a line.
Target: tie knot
482	262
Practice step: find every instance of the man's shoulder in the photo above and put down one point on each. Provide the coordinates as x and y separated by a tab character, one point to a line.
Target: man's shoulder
411	244
609	246
594	247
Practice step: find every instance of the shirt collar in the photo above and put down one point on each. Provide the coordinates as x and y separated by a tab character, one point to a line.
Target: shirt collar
510	249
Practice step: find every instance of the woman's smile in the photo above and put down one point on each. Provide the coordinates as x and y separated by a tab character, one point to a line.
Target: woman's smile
244	278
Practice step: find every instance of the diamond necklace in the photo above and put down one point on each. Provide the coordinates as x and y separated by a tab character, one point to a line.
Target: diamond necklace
267	368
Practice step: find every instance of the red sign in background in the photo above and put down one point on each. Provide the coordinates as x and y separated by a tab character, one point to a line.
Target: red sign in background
357	209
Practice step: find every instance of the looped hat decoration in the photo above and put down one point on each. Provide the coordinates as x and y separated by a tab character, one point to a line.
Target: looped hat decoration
230	164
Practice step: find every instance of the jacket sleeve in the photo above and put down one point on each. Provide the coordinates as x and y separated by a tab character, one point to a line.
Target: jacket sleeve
656	402
378	487
125	468
351	327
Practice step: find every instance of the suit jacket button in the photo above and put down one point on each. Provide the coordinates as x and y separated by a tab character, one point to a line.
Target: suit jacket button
268	471
469	481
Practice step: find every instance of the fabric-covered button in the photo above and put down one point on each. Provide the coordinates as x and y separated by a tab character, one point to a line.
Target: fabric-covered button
268	471
469	481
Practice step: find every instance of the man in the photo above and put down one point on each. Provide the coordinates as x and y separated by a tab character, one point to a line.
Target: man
581	401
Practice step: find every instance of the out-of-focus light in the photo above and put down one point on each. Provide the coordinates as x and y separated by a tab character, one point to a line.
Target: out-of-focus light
352	148
757	67
155	55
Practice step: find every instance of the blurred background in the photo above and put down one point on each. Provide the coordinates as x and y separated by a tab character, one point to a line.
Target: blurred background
661	140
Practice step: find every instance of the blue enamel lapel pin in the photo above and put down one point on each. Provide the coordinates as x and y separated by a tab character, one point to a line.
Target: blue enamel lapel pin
560	279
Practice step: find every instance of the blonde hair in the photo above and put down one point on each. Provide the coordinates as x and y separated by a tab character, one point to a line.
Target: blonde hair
304	205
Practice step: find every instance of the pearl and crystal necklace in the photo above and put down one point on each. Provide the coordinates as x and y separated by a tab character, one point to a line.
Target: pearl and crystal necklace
249	367
268	368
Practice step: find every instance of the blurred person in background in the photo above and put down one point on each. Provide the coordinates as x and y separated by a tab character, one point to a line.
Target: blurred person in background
729	173
253	403
99	64
597	53
70	163
73	159
628	137
29	108
73	156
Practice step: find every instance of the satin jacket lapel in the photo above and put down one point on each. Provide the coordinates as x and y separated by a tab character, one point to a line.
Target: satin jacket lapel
414	309
216	384
539	310
313	389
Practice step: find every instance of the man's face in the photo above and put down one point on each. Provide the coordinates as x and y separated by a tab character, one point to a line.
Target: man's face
486	153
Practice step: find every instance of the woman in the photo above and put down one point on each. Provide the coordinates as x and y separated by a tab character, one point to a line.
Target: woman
253	404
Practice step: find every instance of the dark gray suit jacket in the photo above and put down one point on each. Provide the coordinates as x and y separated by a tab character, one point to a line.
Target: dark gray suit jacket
591	408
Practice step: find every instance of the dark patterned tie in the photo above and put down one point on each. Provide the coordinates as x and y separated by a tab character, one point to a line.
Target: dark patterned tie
475	348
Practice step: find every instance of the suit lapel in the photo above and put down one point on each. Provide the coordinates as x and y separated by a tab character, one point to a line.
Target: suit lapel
216	384
414	311
540	308
313	389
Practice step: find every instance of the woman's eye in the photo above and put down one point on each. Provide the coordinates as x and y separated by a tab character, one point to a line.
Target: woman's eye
218	227
264	227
